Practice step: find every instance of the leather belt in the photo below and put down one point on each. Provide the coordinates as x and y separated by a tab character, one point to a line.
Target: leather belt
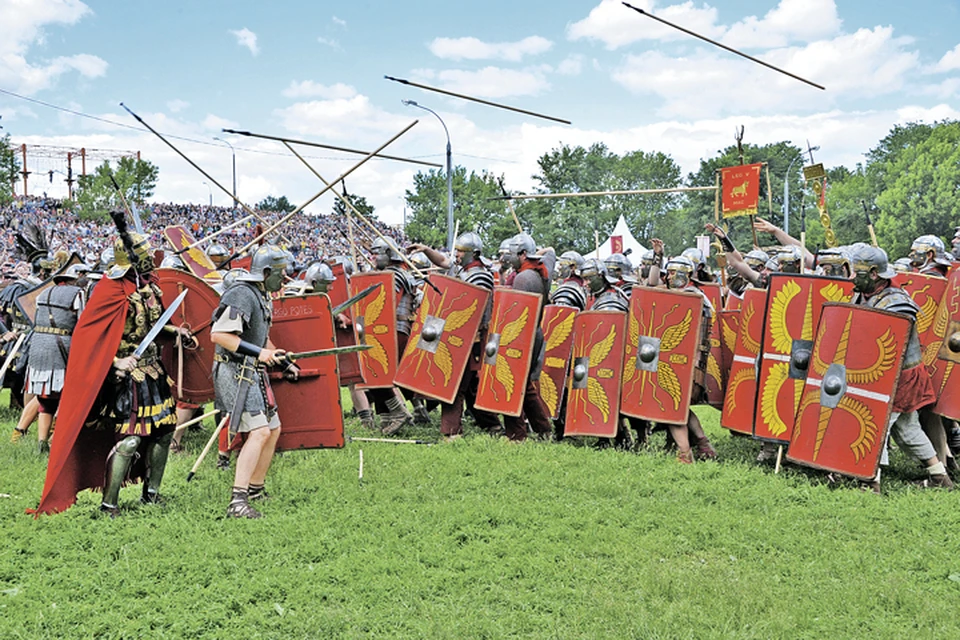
54	330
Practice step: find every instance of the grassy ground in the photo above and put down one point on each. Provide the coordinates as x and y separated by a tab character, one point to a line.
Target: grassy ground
484	539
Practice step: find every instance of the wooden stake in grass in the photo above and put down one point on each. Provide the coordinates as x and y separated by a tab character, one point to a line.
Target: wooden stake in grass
206	449
361	467
776	468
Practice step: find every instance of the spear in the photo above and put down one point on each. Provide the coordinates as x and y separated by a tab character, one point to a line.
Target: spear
585	194
873	233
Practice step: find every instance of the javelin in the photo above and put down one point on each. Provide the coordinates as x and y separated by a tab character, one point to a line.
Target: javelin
583	194
486	102
722	46
327	146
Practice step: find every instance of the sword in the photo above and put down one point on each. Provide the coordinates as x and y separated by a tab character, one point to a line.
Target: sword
11	356
131	207
290	358
243	386
340	308
158	327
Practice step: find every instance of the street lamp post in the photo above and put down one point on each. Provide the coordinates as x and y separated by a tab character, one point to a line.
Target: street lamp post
786	192
411	103
210	189
233	154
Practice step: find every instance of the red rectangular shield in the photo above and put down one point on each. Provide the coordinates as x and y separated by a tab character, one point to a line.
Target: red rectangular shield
505	364
740	189
557	326
593	389
927	292
793	309
661	354
944	370
310	409
196	259
729	321
441	338
741	393
348	363
375	318
843	417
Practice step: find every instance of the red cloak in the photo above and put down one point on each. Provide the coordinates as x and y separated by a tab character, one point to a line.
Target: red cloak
77	454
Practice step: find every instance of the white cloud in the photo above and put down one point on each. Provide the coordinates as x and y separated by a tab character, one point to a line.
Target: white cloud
475	49
339	22
330	42
489	82
874	63
616	25
339	119
311	89
176	106
217	123
23	26
950	60
246	38
571	66
790	21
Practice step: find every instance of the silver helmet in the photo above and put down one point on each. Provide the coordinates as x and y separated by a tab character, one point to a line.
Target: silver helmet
594	273
695	256
568	263
217	253
790	259
471	245
269	266
516	246
834	262
173	261
420	260
679	271
921	248
318	277
347	263
618	265
385	252
866	259
756	259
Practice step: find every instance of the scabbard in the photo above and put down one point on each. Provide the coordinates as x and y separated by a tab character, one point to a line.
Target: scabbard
244	380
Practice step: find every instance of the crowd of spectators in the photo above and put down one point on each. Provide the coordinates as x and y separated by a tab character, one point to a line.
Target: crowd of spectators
308	237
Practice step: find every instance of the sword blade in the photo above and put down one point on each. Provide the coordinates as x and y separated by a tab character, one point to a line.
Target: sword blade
334	351
355	299
158	327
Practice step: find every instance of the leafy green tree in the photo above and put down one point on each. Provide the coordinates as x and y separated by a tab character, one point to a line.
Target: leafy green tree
96	194
474	208
278	205
359	203
9	170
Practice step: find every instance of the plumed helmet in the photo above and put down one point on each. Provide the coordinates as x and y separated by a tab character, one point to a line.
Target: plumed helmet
142	258
469	242
695	256
267	256
864	257
618	265
318	273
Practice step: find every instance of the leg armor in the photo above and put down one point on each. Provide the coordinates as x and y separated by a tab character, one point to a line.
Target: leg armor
157	451
118	465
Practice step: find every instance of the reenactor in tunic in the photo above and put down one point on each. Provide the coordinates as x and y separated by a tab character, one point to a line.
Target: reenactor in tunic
58	309
871	278
241	333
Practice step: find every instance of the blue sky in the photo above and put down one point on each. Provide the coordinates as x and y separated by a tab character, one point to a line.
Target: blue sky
314	70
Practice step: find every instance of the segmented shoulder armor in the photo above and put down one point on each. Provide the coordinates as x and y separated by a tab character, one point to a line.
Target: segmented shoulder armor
612	299
896	300
478	276
571	295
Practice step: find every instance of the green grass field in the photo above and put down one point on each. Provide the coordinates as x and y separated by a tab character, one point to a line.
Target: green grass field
481	538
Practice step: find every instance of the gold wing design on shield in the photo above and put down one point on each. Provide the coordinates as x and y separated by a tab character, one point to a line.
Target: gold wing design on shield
819	366
504	374
868	428
943	319
747	373
421	318
811	397
444	362
752	346
673	336
513	329
928	313
598	397
599	351
886	359
560	333
633	328
548	393
713	369
779	373
834	293
668	381
459	318
375	308
376	353
782	341
930	353
729	336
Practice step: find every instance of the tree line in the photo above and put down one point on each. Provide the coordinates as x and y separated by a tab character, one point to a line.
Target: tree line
910	183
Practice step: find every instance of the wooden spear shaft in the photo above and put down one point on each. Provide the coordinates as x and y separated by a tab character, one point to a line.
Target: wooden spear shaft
232	225
328	187
584	194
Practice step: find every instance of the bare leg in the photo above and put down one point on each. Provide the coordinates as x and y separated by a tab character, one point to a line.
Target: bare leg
679	433
266	457
31	409
249	456
184	414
